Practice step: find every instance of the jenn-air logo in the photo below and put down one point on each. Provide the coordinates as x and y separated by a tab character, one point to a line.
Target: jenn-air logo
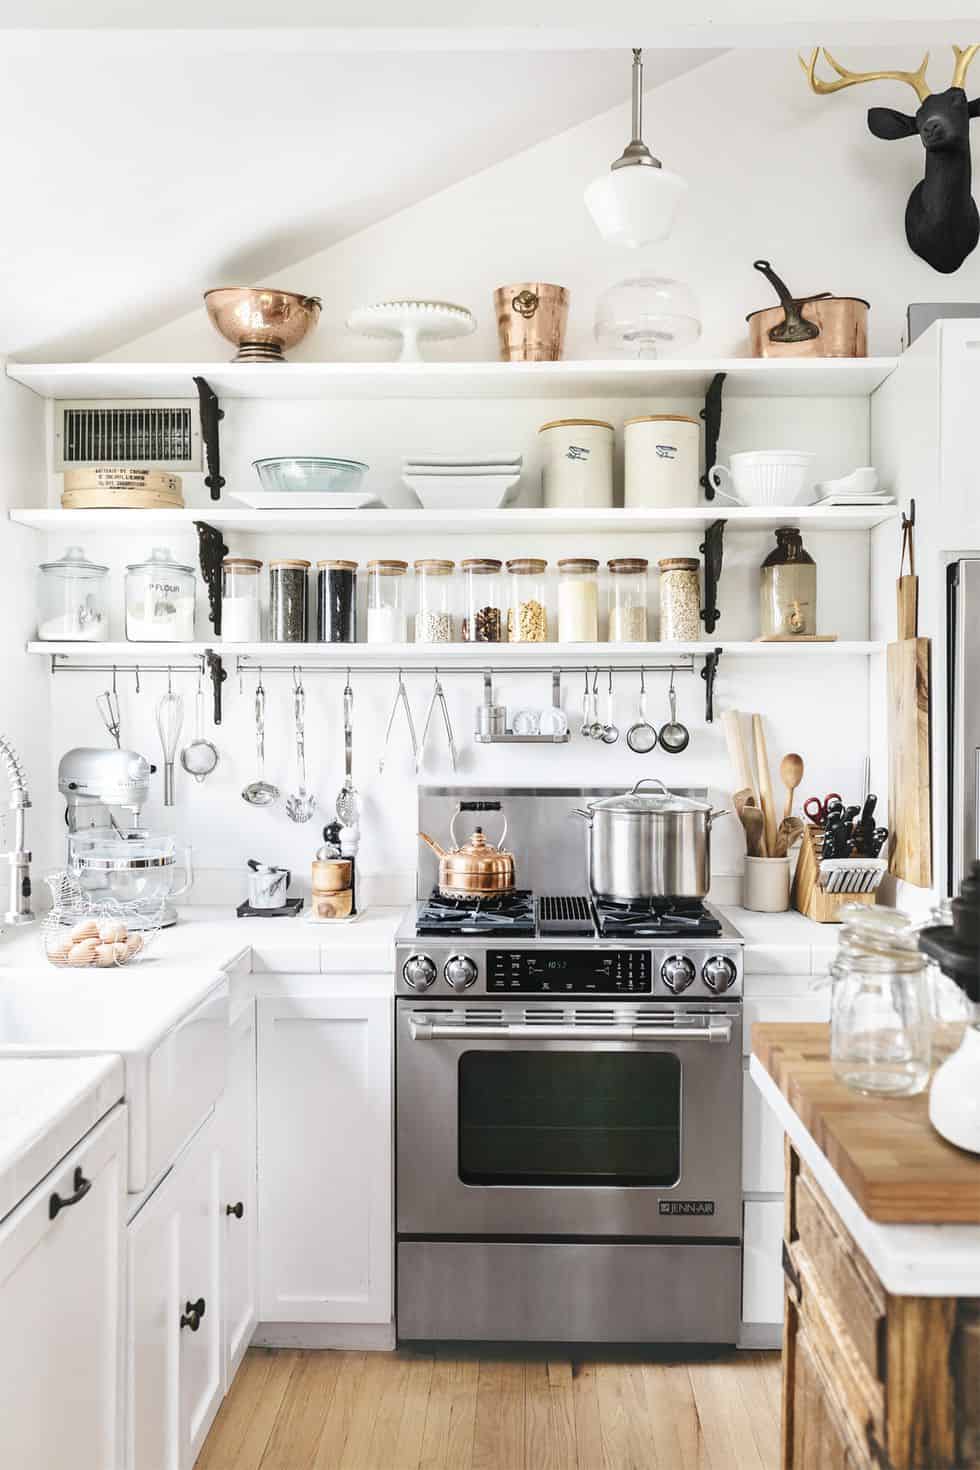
687	1207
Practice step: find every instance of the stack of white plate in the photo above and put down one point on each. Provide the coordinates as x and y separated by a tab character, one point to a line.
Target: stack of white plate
455	482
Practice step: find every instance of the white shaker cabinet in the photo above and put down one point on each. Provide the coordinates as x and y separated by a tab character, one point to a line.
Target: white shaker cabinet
239	1213
326	1241
174	1349
61	1289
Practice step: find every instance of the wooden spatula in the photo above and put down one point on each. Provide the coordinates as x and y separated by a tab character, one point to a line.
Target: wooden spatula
765	785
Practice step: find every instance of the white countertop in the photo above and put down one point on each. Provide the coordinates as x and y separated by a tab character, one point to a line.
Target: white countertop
46	1106
911	1260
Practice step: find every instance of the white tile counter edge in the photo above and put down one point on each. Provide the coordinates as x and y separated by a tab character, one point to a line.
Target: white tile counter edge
911	1260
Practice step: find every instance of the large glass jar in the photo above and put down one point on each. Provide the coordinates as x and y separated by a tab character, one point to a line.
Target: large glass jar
288	600
73	599
527	605
628	599
881	1021
336	601
240	618
434	611
578	600
387	597
160	599
483	620
680	599
788	589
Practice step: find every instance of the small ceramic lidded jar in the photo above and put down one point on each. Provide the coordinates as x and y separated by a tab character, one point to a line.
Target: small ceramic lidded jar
628	599
527	609
434	600
74	597
680	599
578	600
387	620
788	589
483	620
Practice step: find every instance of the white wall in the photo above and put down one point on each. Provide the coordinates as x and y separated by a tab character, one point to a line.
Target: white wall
774	172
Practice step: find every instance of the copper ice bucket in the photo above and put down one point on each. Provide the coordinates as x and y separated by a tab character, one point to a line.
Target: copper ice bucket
531	318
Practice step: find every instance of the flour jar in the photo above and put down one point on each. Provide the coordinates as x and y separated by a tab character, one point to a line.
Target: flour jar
160	599
387	615
240	618
578	600
577	463
662	459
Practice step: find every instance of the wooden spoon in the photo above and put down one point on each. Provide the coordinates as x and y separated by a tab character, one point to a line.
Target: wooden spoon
754	822
790	830
791	774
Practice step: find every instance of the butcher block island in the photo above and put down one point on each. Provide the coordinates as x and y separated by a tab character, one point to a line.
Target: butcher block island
881	1258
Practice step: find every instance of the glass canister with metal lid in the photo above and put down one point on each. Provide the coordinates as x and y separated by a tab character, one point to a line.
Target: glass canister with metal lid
74	599
881	1022
160	599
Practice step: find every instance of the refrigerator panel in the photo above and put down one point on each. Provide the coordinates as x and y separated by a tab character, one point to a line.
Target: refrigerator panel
964	724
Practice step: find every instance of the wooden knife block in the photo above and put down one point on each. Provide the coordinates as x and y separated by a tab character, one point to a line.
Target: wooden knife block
808	897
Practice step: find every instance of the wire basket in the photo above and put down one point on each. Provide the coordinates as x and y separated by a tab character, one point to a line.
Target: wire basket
80	934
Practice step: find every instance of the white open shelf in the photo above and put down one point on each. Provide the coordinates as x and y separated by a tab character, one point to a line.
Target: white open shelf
445	655
515	521
747	378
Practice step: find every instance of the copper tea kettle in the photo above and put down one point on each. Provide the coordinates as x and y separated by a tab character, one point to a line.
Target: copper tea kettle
475	868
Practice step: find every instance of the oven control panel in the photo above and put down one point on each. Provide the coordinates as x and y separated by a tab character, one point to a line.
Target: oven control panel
570	971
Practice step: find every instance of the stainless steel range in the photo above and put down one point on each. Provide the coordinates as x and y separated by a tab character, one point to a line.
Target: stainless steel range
569	1088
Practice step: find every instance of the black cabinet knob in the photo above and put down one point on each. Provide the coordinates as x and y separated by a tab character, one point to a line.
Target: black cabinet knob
192	1314
59	1202
236	1210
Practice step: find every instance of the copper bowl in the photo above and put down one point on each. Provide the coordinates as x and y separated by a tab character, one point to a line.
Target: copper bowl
259	321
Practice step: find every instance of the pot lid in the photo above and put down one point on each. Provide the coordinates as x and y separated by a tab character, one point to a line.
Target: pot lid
637	803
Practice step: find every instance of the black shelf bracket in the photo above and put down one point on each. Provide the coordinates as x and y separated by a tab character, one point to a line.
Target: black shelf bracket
712	548
211	552
711	414
211	415
708	675
217	673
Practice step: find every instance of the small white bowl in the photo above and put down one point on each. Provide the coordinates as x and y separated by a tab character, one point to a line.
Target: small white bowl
467	492
765	477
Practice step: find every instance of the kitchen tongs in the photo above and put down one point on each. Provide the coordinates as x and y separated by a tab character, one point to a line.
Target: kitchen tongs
438	698
401	698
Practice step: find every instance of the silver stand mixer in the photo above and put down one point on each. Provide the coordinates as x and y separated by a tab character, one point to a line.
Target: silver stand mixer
115	860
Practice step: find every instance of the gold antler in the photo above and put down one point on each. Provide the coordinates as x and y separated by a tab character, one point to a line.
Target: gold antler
964	55
915	79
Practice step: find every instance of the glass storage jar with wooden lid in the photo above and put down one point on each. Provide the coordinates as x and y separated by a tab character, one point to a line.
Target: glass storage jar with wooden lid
628	599
387	602
434	600
240	618
680	599
288	599
482	601
578	600
527	607
336	601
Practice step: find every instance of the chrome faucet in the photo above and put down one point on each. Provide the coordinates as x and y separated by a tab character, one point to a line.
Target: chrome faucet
19	910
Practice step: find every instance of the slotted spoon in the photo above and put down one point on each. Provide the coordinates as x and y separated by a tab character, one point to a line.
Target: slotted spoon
348	805
300	804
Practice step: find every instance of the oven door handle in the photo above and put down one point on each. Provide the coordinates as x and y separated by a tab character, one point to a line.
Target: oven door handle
717	1030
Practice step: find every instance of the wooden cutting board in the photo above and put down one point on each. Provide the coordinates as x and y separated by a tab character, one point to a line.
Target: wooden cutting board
884	1149
909	782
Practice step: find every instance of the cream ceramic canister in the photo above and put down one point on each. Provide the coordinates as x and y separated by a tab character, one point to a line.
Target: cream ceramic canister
662	458
577	464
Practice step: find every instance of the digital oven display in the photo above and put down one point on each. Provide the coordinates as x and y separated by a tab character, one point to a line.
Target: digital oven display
566	971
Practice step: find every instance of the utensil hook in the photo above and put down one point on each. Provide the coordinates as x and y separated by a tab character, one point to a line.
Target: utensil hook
114	680
170	680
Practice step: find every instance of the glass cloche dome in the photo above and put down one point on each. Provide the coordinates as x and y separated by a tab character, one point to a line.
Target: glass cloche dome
647	315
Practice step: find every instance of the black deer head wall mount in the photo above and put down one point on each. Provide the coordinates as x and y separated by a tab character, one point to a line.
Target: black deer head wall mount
941	221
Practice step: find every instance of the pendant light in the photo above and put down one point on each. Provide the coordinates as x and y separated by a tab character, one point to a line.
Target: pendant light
635	202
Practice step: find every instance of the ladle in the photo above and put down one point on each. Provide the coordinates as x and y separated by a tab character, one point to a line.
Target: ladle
260	792
674	737
641	737
610	730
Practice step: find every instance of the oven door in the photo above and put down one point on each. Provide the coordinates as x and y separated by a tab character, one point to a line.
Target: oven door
564	1120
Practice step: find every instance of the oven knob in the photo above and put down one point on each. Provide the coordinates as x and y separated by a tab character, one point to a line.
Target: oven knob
460	971
419	971
677	973
719	973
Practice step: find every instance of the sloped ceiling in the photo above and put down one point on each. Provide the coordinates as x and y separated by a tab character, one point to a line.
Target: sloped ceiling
136	179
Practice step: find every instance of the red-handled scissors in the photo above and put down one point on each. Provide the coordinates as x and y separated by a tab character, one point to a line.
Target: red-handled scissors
818	811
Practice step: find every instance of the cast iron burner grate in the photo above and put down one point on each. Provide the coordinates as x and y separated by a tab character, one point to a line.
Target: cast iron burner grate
671	918
565	914
509	913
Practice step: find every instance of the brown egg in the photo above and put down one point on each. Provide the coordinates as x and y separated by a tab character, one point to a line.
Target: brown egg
89	929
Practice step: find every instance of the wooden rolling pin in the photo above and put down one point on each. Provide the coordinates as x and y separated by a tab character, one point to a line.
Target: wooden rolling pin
738	754
765	784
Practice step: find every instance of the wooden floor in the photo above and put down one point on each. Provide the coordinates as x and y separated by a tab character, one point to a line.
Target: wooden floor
404	1411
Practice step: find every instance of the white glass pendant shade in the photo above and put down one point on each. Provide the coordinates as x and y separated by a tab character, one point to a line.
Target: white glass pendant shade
636	205
647	315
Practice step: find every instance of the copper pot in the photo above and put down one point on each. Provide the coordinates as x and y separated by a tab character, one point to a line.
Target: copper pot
808	326
475	868
531	320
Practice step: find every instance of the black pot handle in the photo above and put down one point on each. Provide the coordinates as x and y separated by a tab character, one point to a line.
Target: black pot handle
58	1202
192	1314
